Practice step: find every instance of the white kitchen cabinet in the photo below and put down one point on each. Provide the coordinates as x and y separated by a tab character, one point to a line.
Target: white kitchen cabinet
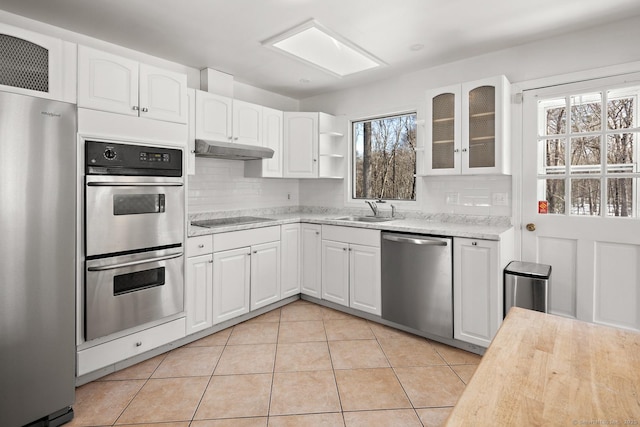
311	265
223	119
247	123
199	283
467	128
477	287
351	267
312	146
199	293
290	239
108	82
231	283
272	137
246	271
37	65
365	291
114	351
191	132
265	274
214	117
335	272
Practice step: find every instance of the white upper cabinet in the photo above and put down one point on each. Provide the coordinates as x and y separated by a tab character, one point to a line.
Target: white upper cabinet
213	117
312	146
37	65
300	145
247	123
271	138
108	82
467	128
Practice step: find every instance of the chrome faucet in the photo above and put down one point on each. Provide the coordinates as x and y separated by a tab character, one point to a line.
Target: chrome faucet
373	207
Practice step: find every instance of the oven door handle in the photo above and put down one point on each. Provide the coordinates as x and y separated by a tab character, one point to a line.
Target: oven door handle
134	184
137	262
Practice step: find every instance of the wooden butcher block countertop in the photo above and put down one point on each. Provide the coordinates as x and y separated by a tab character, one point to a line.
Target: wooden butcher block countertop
544	370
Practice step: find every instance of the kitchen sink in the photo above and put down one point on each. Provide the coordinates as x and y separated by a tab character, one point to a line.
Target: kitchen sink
236	220
364	218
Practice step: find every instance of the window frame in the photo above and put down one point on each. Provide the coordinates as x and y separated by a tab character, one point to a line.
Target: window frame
349	199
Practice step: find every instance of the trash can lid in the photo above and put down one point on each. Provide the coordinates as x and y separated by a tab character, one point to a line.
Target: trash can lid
531	269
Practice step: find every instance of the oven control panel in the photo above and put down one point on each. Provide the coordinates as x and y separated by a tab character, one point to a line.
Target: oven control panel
107	158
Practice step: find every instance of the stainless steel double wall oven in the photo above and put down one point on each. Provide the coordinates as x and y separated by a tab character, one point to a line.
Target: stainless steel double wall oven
134	236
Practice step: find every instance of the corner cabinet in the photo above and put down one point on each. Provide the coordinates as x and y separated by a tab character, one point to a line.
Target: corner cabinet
108	82
290	240
312	146
478	305
467	128
311	263
37	65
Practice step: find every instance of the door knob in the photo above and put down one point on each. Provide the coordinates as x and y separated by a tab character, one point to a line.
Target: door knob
531	226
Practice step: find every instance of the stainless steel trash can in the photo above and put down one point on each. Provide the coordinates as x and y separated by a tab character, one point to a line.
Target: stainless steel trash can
526	285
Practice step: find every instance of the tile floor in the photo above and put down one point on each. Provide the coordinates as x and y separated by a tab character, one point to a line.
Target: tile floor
299	365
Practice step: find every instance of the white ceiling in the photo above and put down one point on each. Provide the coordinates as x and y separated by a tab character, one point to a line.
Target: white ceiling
225	34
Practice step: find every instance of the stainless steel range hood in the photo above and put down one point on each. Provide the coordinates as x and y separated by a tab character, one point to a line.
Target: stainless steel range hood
231	151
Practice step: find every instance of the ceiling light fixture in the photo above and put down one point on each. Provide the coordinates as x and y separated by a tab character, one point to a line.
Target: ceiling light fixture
314	44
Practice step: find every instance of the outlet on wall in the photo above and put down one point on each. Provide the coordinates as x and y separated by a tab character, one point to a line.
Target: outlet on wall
500	199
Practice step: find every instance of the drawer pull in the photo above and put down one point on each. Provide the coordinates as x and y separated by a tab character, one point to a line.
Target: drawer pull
139	344
201	245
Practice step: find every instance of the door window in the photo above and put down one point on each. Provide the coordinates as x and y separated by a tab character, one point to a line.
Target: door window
587	153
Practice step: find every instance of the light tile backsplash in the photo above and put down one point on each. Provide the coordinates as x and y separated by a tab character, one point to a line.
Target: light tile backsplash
220	185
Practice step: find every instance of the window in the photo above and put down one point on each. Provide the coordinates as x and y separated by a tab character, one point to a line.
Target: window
384	158
588	149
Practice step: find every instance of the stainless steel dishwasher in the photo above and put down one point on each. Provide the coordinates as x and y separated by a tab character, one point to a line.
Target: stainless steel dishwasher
417	282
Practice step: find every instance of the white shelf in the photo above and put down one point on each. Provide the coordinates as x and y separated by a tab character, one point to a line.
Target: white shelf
336	134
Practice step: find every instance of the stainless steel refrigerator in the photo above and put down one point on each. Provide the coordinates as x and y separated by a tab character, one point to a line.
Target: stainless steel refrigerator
37	260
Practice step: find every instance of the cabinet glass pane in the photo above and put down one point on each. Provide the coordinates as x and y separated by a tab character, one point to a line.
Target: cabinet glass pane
443	125
482	127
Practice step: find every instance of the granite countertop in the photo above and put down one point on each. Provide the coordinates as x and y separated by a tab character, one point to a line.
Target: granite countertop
476	230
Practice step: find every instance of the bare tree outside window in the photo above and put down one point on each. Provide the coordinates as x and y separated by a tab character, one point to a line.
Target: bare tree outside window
385	158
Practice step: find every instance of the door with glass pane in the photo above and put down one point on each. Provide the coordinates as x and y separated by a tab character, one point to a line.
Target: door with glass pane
580	197
442	156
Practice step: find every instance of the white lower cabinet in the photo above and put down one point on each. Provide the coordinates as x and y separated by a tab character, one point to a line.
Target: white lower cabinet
111	352
311	265
351	267
231	281
198	293
335	272
265	274
477	287
246	271
290	260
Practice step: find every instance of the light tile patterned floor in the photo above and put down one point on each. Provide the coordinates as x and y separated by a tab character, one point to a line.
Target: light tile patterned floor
299	365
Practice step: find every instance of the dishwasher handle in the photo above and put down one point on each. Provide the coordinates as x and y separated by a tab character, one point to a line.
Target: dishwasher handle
414	240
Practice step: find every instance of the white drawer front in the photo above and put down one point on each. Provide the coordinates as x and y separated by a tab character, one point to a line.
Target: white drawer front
123	348
200	245
243	238
359	236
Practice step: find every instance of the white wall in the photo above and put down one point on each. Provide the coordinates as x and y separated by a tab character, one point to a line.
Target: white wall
595	48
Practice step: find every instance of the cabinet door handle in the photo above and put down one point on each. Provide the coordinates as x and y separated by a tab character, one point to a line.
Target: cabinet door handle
315	160
201	245
145	109
135	108
210	261
464	150
317	233
255	252
474	243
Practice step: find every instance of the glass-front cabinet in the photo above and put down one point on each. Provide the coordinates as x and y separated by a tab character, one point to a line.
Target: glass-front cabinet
468	128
